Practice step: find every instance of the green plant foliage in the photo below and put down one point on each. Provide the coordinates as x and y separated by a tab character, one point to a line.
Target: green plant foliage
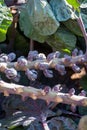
42	17
17	128
83	82
84	17
20	42
62	10
62	123
27	27
31	123
83	3
75	4
5	20
82	110
73	26
62	39
28	18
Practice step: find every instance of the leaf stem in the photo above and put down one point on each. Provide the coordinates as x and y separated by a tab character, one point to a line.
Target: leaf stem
45	126
81	24
44	122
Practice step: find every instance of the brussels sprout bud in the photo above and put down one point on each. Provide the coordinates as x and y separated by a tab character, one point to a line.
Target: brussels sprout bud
32	55
60	69
48	73
31	74
83	93
3	58
50	56
75	52
71	92
57	88
41	56
75	68
43	66
47	89
22	62
11	56
10	73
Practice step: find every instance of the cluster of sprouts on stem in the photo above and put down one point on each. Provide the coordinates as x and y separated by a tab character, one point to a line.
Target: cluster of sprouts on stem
39	61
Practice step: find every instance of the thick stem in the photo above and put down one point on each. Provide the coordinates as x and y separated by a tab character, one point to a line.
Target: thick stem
28	91
81	24
51	64
31	45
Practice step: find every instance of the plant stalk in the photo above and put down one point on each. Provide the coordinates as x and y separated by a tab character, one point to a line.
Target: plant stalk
28	91
81	24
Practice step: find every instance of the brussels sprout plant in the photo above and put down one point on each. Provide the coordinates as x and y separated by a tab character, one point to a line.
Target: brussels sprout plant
43	65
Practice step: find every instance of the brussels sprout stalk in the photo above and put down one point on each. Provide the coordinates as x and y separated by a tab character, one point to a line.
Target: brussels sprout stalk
81	24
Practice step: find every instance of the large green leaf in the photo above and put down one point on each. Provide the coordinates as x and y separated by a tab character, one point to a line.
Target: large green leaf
62	10
5	20
62	39
27	27
42	17
37	20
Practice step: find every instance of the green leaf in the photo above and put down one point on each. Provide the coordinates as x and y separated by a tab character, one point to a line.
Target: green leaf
3	29
63	39
75	4
62	10
42	17
28	18
17	128
73	26
5	20
27	27
84	17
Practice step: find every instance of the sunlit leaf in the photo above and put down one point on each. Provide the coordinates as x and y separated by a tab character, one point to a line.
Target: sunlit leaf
75	4
5	20
62	10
